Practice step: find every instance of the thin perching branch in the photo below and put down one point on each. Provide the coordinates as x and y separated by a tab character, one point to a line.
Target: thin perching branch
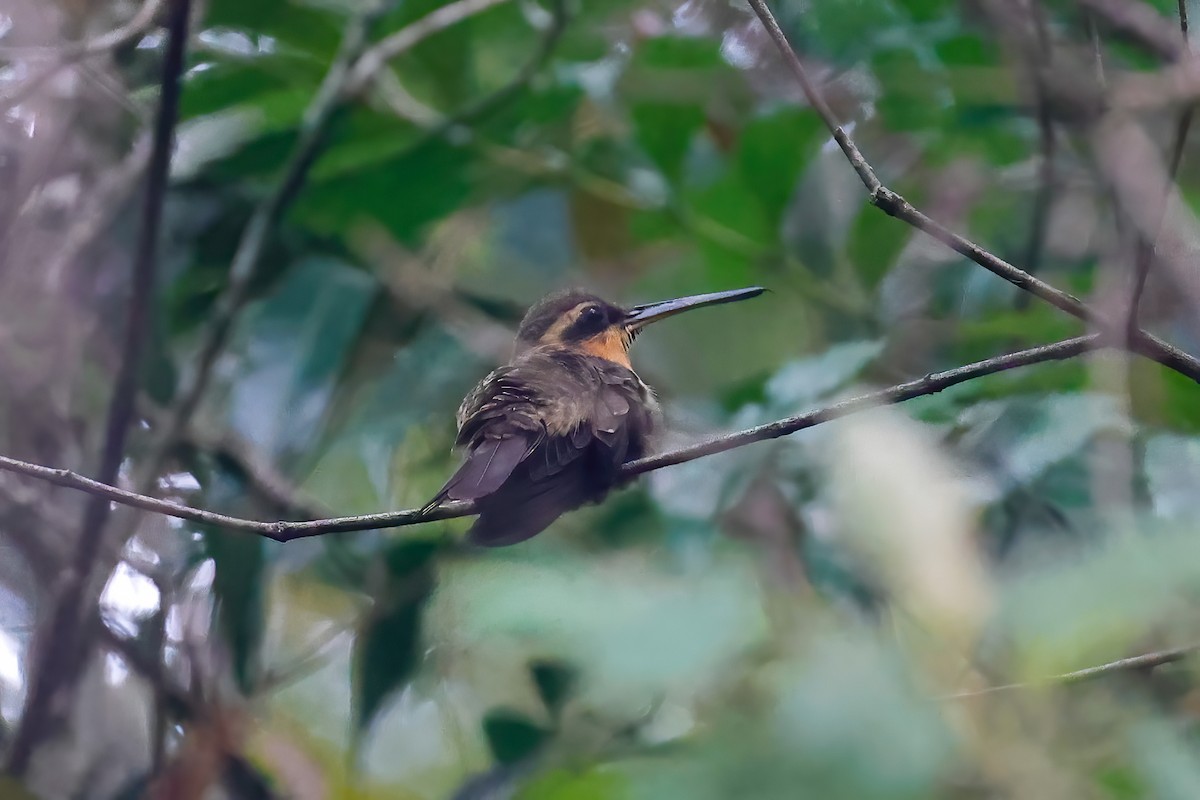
895	205
285	531
57	659
1138	663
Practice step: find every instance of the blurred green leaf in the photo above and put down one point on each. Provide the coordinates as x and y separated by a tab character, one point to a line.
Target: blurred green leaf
927	10
555	681
1168	762
1063	616
232	84
512	736
773	150
561	784
384	191
1163	397
665	131
1172	470
387	650
874	244
848	31
733	228
293	345
800	383
912	99
12	789
679	52
239	579
302	26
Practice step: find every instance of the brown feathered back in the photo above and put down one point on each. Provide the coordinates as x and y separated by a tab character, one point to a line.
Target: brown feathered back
546	434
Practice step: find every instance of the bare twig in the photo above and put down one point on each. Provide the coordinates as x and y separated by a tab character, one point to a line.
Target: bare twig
178	701
896	206
1147	246
486	104
1141	23
75	52
284	531
57	660
262	477
1138	663
102	205
135	27
408	37
1043	201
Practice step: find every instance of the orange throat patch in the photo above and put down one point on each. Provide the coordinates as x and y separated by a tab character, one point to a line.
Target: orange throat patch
612	345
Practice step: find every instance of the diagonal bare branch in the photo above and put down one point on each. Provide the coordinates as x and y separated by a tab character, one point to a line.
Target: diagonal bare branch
1141	23
1147	247
893	204
137	25
1138	663
411	35
64	57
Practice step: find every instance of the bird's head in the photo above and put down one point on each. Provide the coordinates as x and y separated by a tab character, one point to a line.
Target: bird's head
580	321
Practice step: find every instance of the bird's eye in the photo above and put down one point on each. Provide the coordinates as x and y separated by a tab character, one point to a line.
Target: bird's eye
591	314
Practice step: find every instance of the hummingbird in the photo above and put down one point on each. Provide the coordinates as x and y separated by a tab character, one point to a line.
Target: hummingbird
548	431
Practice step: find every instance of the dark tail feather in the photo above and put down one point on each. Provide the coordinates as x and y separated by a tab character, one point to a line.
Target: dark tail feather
520	512
485	470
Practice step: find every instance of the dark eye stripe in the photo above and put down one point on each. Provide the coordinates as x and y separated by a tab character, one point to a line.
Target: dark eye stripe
591	320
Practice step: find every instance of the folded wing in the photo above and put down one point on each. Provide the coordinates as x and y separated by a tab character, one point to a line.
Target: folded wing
541	439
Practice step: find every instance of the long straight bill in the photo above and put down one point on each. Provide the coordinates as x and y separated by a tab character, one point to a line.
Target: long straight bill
641	316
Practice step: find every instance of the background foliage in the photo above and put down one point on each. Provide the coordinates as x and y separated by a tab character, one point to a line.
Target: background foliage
822	615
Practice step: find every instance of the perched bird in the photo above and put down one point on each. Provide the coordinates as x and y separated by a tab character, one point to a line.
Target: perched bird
548	432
